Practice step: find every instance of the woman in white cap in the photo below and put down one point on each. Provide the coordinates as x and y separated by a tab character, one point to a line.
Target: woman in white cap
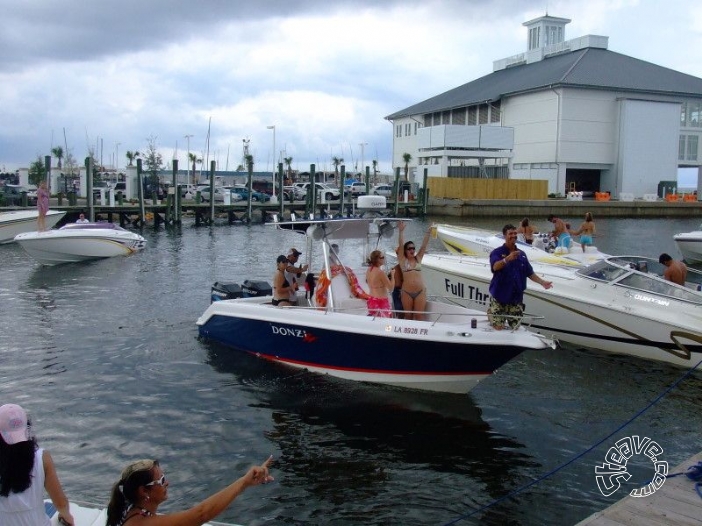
143	487
26	471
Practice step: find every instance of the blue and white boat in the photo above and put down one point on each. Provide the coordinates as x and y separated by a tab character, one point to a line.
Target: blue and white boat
451	350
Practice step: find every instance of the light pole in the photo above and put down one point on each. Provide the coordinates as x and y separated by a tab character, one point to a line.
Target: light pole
362	167
187	160
274	199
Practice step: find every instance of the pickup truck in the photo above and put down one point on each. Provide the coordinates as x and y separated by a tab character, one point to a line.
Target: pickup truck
356	188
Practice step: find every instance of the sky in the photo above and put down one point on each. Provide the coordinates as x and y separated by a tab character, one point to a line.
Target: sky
108	75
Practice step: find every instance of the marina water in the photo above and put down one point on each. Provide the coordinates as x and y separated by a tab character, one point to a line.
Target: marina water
105	357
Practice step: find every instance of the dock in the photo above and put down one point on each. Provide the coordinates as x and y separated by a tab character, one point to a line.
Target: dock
676	502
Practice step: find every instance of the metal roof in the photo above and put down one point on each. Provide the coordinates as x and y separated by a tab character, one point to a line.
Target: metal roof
592	68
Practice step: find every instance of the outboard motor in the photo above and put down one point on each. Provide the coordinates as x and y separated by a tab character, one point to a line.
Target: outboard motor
254	289
225	291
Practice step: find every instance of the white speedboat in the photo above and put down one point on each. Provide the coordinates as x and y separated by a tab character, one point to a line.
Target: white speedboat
619	304
17	222
690	245
450	351
476	242
80	242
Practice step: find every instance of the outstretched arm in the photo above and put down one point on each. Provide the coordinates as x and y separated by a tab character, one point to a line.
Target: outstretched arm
401	241
425	243
54	489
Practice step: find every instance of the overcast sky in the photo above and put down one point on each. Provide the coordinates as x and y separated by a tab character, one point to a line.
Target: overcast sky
324	73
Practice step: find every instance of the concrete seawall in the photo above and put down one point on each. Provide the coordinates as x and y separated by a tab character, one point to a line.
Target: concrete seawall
561	207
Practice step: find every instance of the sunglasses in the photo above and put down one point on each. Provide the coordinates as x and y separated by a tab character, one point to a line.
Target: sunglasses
160	481
410	248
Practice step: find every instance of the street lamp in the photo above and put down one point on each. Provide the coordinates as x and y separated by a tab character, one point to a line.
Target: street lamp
363	167
274	199
187	160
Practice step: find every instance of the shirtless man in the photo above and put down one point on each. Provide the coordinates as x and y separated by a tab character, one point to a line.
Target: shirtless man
675	271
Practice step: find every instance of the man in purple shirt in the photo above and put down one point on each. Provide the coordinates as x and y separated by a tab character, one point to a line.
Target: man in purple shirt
510	270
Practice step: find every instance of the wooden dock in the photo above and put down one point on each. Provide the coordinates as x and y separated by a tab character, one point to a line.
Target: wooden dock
676	502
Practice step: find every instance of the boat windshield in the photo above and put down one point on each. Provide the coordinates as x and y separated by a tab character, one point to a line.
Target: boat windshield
638	273
91	226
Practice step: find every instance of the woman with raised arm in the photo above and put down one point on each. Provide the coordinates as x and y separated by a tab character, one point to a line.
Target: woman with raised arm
414	293
143	487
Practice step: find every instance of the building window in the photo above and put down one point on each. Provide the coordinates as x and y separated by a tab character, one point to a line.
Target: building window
437	119
458	116
495	112
483	111
398	130
416	126
692	147
534	37
681	148
472	115
446	117
427	119
691	114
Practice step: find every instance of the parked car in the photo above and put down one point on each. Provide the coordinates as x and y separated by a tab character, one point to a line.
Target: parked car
382	189
220	192
243	191
12	194
356	188
329	192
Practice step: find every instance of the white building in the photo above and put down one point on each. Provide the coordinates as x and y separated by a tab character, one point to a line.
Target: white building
570	112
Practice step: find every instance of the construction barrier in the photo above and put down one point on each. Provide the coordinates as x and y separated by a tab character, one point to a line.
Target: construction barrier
602	196
690	198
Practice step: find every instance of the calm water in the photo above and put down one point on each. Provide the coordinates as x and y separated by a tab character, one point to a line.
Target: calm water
105	357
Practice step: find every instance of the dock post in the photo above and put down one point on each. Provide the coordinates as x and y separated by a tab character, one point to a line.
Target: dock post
313	185
89	179
425	193
249	186
213	164
342	176
368	188
397	191
140	194
173	190
281	195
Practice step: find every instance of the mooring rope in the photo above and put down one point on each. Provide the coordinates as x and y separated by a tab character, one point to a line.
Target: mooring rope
580	455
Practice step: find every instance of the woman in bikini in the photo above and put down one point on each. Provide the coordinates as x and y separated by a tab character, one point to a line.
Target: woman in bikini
414	294
143	487
527	231
281	286
378	286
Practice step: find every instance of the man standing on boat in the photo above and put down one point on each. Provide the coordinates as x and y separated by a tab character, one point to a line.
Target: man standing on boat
293	273
510	270
675	271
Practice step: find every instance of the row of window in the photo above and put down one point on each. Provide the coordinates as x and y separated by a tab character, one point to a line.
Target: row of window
534	166
688	147
471	115
407	129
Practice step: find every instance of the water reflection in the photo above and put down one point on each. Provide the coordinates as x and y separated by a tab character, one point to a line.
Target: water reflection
345	441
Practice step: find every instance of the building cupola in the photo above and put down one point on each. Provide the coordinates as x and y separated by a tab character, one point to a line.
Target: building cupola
545	31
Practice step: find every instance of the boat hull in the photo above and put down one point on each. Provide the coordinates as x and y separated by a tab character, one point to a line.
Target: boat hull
19	222
690	246
614	320
430	356
54	247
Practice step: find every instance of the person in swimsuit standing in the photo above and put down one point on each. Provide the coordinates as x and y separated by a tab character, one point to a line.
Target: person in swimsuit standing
378	286
586	231
143	487
281	286
42	206
414	294
526	230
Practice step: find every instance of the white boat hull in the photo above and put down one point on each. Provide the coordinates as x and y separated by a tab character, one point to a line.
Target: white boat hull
18	222
582	312
475	242
690	246
54	247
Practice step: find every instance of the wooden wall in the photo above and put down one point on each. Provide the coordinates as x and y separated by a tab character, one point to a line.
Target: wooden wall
460	188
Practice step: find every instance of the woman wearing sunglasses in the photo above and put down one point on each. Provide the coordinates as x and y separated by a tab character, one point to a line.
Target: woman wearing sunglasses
143	487
414	293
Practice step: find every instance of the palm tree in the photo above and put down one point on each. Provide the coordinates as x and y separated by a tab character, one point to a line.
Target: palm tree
195	160
58	153
336	161
288	162
407	158
131	156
